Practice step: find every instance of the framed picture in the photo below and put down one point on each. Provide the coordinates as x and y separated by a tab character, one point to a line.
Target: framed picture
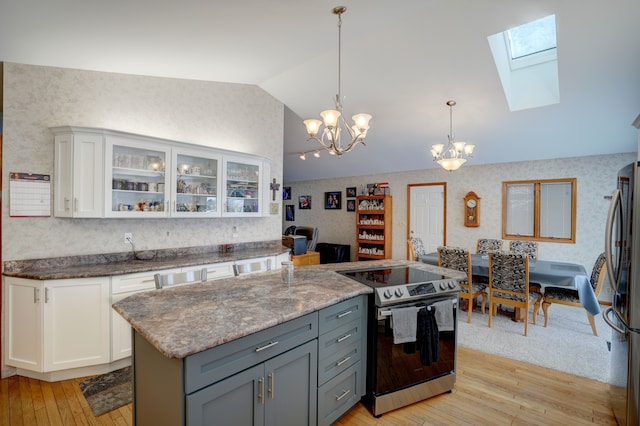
286	193
351	192
304	202
290	213
333	200
351	205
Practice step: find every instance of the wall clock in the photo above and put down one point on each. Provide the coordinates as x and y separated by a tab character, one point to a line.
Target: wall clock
471	209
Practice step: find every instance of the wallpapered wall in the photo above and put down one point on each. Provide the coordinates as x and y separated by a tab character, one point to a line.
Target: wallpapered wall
595	175
230	116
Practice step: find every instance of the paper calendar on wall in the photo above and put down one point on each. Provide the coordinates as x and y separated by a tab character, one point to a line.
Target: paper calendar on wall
29	195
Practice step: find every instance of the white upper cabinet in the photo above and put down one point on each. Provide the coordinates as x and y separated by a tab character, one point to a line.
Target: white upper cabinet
136	181
195	183
105	173
243	186
78	173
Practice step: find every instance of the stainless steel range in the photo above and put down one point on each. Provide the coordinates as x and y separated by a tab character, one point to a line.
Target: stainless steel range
401	372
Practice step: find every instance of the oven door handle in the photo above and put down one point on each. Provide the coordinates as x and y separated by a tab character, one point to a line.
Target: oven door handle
387	313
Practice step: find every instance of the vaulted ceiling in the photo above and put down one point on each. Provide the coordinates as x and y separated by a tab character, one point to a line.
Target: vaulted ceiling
401	62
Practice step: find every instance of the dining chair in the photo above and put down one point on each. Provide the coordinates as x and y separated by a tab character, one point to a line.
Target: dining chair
177	278
311	233
570	297
416	247
252	267
509	284
529	248
412	252
484	245
460	260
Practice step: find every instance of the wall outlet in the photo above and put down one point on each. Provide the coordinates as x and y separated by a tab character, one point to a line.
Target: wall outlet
128	238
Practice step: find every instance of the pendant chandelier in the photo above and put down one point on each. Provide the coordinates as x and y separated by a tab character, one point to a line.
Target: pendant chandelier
333	119
456	153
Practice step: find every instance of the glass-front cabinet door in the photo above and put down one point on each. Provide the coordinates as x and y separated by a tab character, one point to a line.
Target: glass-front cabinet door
242	177
195	185
136	180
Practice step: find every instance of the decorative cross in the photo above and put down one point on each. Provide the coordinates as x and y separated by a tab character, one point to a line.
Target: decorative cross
274	187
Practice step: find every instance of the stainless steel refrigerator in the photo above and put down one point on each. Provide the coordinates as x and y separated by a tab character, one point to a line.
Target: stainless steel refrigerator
622	248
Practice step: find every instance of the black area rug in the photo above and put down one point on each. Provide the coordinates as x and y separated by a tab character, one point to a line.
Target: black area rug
108	391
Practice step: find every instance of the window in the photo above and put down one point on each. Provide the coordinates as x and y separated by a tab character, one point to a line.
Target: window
526	59
539	210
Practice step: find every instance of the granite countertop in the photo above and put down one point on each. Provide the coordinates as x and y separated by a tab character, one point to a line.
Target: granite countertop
110	264
185	320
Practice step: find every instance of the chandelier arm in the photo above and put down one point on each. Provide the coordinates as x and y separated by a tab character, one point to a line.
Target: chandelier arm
320	141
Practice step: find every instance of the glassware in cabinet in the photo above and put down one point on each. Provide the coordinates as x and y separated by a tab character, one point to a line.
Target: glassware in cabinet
137	179
196	186
242	186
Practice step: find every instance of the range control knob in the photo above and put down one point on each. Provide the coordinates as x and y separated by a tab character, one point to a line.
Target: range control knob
398	292
443	285
452	284
387	294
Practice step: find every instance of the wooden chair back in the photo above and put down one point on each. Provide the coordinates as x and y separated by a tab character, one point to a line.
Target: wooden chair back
412	251
485	245
529	248
509	284
460	260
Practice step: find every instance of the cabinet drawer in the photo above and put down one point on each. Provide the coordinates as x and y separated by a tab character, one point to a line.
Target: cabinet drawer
339	361
338	395
215	271
136	282
338	339
342	313
215	364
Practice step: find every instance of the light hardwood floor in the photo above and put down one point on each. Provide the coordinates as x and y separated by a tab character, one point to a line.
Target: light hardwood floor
489	390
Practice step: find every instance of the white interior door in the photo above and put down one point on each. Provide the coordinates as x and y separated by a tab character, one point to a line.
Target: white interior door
426	214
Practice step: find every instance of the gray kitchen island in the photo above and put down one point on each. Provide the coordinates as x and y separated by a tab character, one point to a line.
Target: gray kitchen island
250	349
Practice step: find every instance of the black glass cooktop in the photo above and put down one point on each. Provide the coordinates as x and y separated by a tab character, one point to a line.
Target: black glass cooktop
398	275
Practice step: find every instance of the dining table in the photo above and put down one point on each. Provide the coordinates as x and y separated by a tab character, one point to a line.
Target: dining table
546	273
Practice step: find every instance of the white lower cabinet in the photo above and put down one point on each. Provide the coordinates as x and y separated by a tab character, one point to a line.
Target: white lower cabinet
123	286
57	325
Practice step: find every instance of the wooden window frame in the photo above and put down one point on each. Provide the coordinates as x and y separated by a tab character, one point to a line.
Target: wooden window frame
536	217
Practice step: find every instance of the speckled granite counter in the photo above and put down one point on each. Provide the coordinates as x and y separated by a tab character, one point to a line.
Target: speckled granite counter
110	264
185	320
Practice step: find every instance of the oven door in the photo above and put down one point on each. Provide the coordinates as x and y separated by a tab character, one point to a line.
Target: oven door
398	366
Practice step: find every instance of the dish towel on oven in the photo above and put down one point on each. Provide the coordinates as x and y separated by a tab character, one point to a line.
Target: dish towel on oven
444	315
427	337
404	324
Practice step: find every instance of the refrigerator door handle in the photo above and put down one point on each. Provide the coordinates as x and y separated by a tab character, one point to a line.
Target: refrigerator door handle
605	317
616	204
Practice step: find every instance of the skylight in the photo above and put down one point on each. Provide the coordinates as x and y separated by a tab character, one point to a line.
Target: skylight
527	62
534	37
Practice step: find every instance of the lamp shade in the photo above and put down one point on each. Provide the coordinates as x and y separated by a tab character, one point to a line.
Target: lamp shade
451	163
361	121
312	126
330	117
